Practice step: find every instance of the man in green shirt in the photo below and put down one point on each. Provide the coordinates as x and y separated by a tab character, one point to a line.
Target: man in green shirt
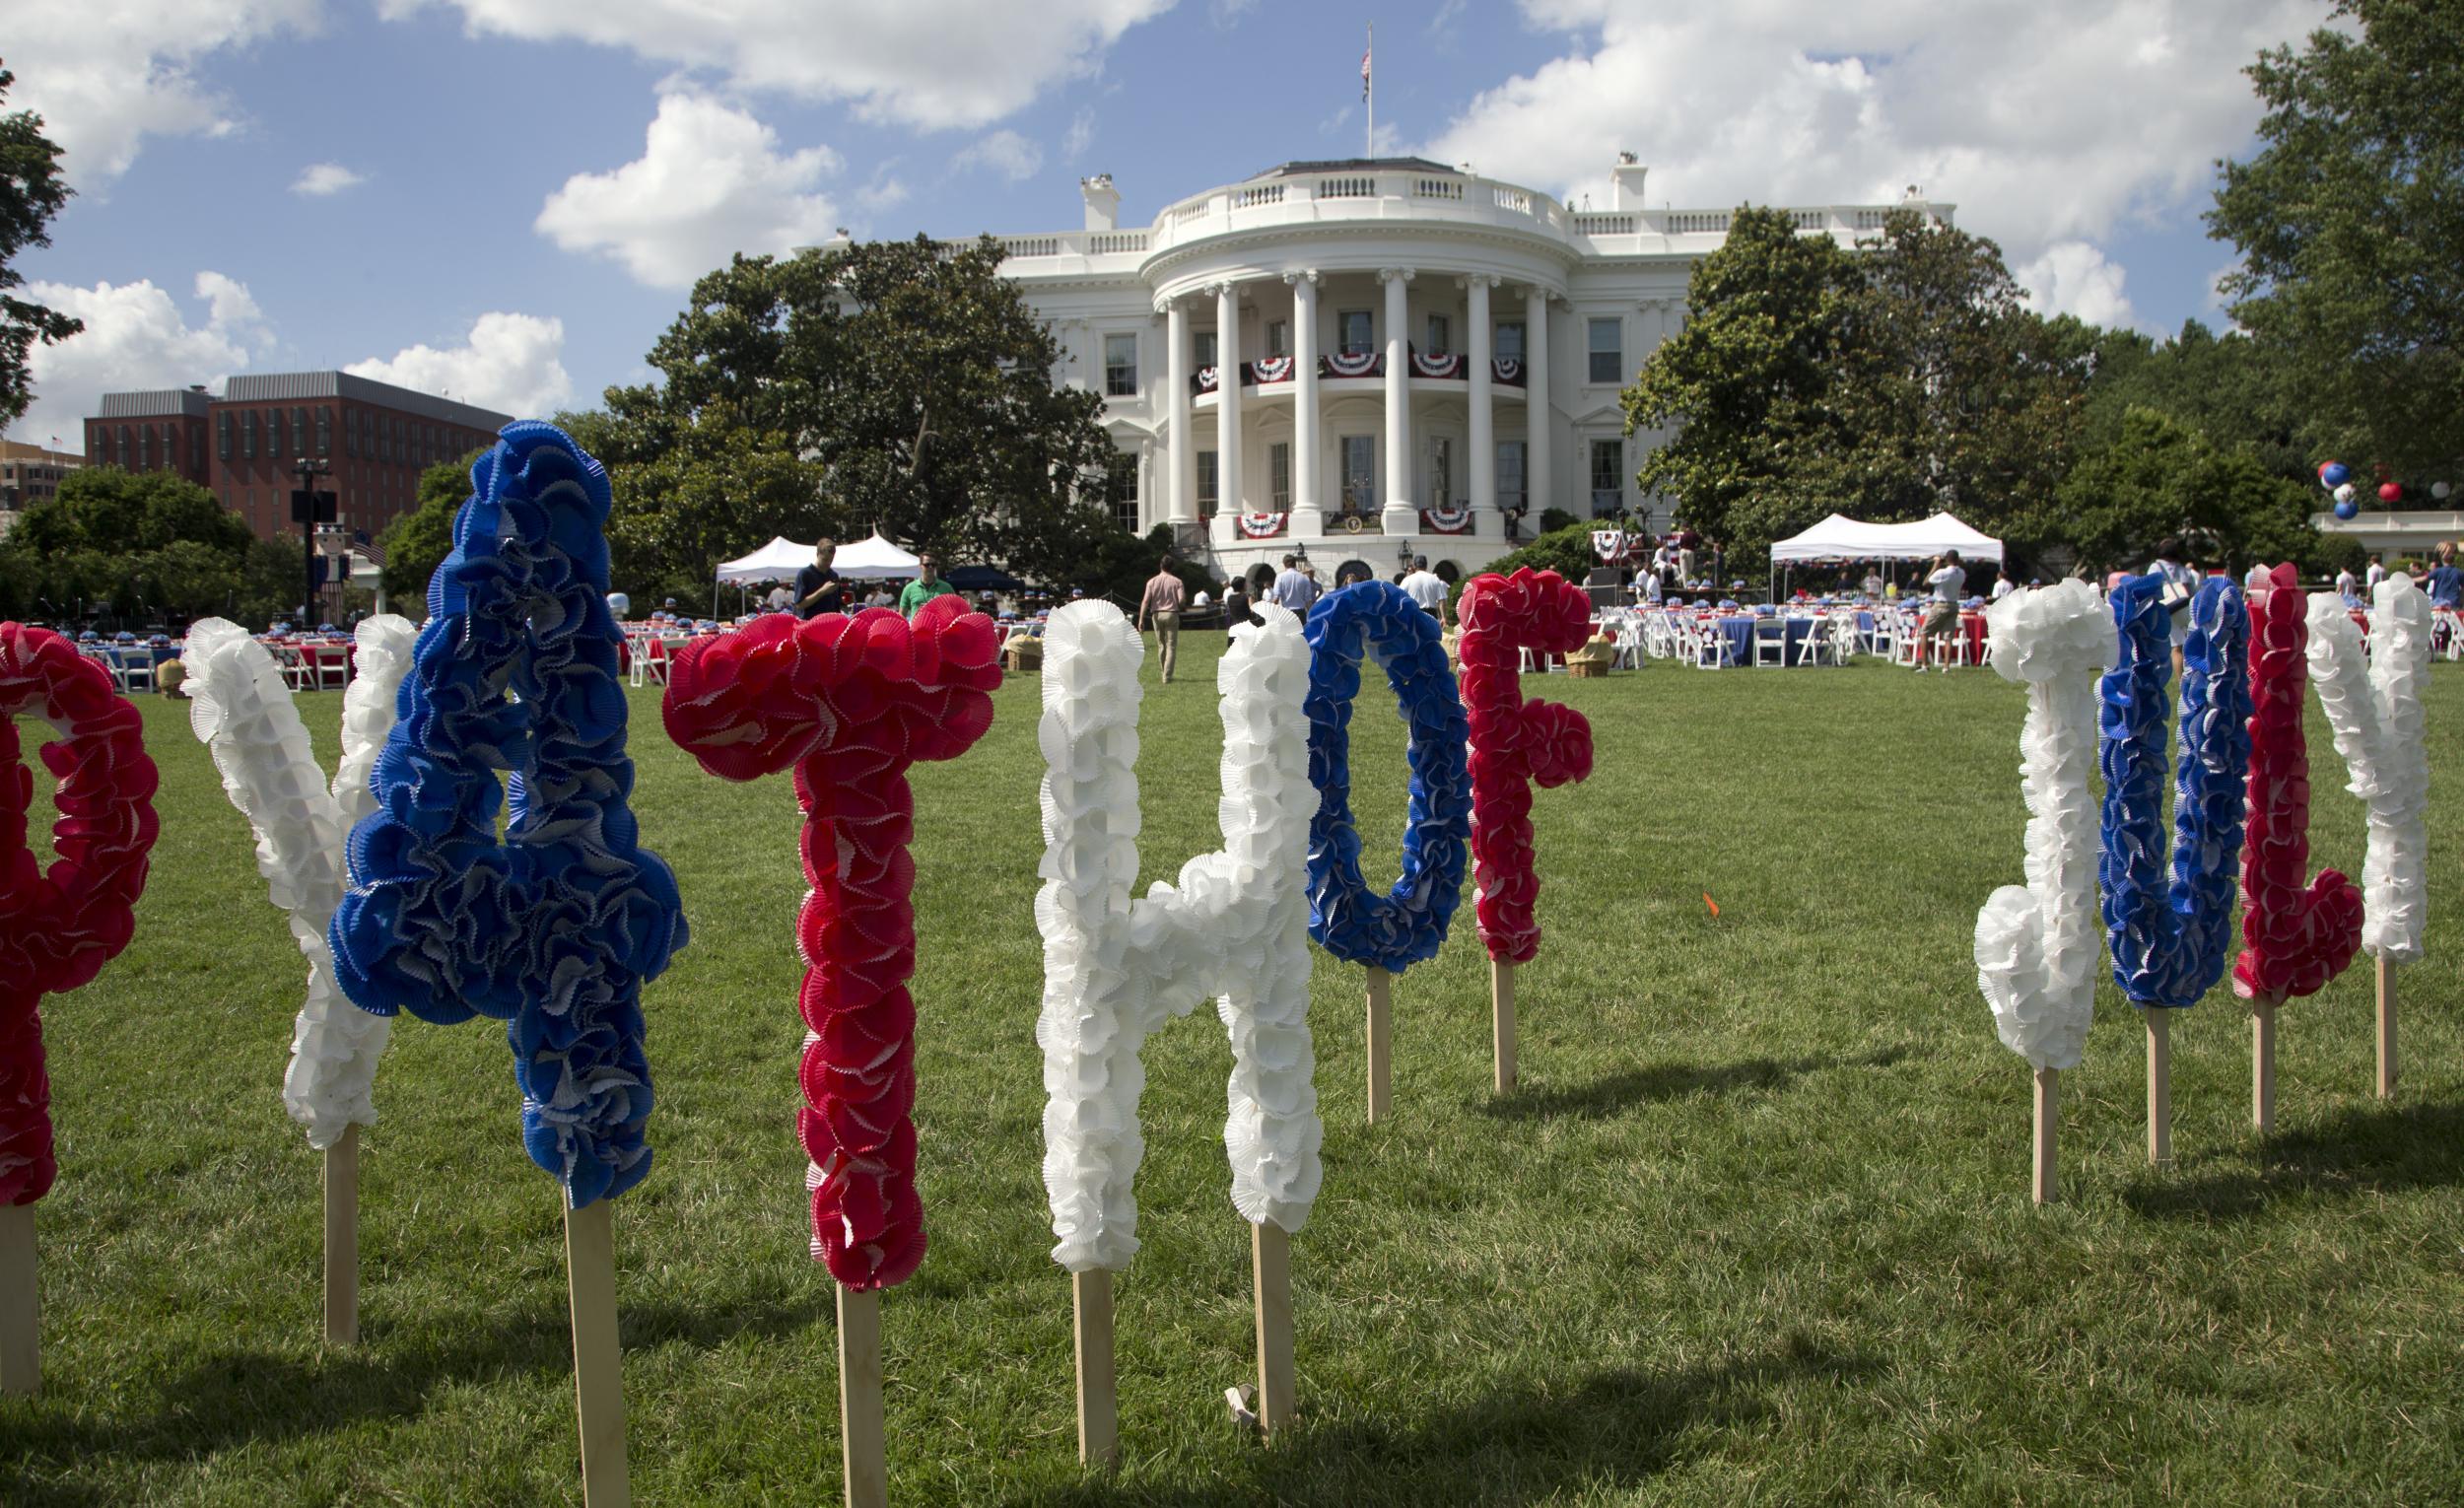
926	586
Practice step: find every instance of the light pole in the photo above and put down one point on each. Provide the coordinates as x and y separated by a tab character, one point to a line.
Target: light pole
306	512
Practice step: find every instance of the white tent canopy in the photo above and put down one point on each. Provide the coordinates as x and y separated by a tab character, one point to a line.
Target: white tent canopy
1836	538
872	560
777	561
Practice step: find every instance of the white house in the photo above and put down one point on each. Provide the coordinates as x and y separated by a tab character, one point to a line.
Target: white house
1377	357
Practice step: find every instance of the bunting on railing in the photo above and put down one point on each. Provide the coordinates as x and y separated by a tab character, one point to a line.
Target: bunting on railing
1508	371
1270	369
1261	525
1343	365
1447	365
1446	520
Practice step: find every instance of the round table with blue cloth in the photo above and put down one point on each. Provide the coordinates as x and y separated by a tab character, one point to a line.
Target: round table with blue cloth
1740	634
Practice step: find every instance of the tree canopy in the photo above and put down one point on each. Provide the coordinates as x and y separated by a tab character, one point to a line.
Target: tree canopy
1883	382
902	385
144	546
2349	218
32	193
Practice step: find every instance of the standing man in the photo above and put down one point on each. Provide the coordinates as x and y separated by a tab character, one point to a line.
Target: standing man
1428	588
1161	602
2376	574
818	588
926	586
1295	590
1942	613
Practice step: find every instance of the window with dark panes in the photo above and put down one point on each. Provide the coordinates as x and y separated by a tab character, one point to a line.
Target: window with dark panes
1356	332
324	430
1206	486
222	435
1508	340
1608	351
298	432
1607	477
1120	366
248	435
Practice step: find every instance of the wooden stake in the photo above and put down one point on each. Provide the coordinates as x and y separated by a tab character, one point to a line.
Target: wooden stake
2159	1085
342	1239
1501	1008
1099	1411
2049	1127
1271	1270
599	1381
20	1305
1381	1048
2263	1064
2387	1030
863	1446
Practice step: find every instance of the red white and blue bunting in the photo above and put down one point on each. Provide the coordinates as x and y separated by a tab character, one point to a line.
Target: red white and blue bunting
1447	365
1366	364
1508	371
1613	546
1261	525
1205	381
1270	369
1446	520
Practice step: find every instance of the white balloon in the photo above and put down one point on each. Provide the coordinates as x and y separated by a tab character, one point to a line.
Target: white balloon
2439	491
2344	493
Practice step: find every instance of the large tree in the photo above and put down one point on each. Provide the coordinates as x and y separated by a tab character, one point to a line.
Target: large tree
902	385
31	192
144	547
2162	477
1884	383
2348	219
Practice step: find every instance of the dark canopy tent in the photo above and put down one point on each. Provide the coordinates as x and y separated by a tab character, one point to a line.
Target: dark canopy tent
981	578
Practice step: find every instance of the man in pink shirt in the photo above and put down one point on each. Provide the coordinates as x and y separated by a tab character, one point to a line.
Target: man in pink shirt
1162	602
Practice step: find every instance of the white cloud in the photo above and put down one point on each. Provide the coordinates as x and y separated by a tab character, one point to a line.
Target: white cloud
2044	121
2074	278
136	337
939	64
1082	134
1010	155
319	179
511	363
106	74
711	182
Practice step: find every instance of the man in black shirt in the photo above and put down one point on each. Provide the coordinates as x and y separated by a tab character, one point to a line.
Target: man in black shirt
818	588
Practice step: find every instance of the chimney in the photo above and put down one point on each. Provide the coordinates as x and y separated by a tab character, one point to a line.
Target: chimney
1103	202
1626	184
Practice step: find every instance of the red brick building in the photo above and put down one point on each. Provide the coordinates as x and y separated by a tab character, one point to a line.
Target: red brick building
246	445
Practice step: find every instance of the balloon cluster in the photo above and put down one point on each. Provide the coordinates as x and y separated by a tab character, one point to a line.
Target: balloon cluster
1515	742
555	928
2297	934
60	926
1348	920
2169	943
850	703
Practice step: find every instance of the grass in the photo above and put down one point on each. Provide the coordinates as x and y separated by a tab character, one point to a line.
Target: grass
1754	1230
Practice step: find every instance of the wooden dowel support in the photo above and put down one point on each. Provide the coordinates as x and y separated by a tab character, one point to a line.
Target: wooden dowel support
2386	1029
1271	1270
863	1446
598	1377
2263	1066
1501	1008
20	1304
2048	1131
342	1239
1381	1047
2159	1085
1099	1409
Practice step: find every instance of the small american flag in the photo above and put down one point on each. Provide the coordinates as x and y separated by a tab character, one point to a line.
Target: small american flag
362	542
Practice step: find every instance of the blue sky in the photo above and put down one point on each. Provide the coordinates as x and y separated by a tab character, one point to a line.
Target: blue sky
517	192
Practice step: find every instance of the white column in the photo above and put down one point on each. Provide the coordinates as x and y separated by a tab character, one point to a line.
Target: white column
1306	518
1182	452
1536	432
1228	399
1484	457
1402	514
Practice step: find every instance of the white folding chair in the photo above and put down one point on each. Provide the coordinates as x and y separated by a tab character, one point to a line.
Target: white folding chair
1770	640
1812	644
330	666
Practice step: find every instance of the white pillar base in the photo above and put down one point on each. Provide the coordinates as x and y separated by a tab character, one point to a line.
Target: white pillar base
1400	519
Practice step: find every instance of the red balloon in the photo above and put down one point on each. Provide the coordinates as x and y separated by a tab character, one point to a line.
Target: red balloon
2389	492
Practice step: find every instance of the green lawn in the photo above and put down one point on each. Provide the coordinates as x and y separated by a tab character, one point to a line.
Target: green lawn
1754	1230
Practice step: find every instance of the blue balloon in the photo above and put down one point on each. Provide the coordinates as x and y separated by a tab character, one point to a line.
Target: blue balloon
2170	943
2334	475
555	929
2347	509
1350	921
